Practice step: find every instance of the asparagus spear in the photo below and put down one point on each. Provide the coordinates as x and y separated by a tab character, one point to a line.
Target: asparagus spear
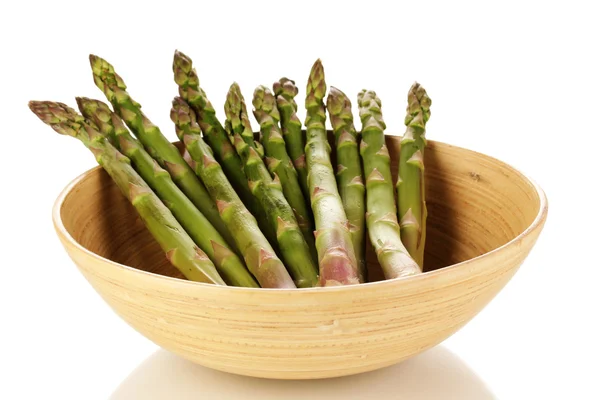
285	90
294	249
278	161
382	222
101	117
159	147
216	137
337	261
214	133
181	251
412	211
258	253
228	264
349	172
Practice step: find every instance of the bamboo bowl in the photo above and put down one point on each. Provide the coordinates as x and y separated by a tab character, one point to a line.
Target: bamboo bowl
484	218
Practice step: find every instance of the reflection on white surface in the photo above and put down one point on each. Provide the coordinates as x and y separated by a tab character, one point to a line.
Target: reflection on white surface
435	374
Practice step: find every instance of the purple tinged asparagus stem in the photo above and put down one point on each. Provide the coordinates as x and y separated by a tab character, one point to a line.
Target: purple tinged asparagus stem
337	261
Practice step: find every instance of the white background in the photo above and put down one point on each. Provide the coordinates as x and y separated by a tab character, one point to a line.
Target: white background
519	81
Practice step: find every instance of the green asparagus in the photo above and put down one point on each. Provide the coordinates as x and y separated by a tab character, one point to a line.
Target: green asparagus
412	211
285	90
279	163
228	264
260	257
349	171
154	141
382	222
216	137
294	249
337	261
180	249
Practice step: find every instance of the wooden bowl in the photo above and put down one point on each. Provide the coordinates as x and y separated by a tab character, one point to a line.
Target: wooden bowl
484	218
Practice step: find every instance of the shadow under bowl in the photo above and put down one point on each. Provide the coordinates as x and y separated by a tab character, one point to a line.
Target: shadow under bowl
484	218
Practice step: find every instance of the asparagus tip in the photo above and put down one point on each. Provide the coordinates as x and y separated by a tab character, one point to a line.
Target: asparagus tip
97	62
55	114
286	87
32	105
179	102
181	55
80	101
181	61
334	91
234	95
316	87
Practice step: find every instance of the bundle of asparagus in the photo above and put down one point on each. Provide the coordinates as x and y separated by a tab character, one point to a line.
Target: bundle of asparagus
269	192
178	246
273	212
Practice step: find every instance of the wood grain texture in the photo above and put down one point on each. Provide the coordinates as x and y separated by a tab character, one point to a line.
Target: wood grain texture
484	218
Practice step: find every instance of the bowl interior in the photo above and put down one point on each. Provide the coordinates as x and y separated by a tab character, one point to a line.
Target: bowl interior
475	205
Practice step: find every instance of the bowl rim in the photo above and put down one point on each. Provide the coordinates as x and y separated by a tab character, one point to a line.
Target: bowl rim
453	268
